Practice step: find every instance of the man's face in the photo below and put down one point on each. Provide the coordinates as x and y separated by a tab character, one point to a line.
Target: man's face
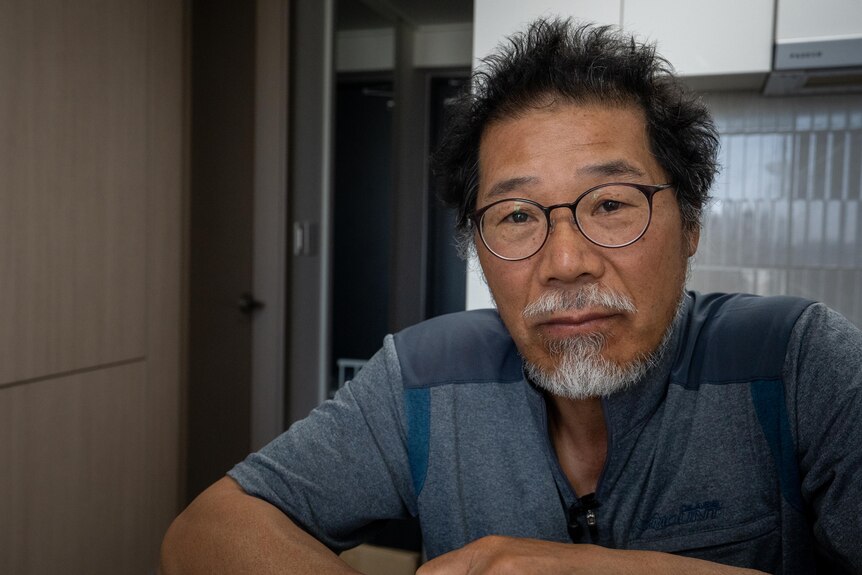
551	155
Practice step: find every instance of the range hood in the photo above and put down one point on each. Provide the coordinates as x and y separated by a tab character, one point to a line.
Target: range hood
818	48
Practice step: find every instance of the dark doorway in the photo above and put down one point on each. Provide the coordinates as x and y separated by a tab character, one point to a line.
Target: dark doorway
447	273
362	235
361	216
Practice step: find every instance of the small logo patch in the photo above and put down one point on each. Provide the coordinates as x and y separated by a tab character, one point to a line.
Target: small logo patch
687	513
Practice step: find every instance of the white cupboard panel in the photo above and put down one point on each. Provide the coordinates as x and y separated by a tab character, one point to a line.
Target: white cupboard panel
495	19
803	19
704	37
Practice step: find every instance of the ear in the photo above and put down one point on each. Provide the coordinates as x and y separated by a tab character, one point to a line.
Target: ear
692	237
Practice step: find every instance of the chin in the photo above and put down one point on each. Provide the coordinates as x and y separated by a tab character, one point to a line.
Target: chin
584	367
578	377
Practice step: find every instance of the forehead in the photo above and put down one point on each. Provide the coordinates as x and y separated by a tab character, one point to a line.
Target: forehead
565	145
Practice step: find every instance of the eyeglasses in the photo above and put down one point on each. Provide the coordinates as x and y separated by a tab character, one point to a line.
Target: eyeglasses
612	215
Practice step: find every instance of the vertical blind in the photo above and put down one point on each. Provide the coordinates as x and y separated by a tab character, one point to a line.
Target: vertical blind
787	211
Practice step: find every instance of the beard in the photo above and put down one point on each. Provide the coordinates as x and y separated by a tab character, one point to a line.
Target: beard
581	372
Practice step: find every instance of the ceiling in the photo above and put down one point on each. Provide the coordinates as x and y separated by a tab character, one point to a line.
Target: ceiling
364	14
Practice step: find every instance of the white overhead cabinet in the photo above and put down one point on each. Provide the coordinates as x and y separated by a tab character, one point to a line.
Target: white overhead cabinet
714	45
495	19
725	44
829	36
818	48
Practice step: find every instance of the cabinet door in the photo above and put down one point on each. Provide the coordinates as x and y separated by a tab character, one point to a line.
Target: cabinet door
705	37
495	19
828	35
796	19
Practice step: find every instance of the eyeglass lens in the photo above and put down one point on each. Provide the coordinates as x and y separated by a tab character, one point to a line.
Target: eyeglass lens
609	216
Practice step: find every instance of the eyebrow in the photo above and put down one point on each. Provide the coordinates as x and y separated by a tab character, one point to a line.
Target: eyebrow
612	168
607	169
506	186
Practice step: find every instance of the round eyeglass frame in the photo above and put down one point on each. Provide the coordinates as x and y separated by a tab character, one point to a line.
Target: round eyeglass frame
647	190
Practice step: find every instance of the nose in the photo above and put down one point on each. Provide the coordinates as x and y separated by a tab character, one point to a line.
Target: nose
567	256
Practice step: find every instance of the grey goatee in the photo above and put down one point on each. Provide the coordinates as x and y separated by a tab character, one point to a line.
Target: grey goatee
581	371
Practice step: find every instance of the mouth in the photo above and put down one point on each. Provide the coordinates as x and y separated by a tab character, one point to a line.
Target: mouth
576	324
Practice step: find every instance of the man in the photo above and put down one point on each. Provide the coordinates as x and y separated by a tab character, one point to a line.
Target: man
604	420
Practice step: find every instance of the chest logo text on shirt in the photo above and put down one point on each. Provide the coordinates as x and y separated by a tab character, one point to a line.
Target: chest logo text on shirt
687	513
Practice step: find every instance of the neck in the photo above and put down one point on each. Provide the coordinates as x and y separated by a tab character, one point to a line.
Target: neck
579	435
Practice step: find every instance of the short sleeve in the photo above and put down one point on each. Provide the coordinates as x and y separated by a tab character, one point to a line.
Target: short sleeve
823	370
342	470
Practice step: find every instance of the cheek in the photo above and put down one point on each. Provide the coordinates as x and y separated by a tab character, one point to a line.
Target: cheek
509	285
655	275
505	284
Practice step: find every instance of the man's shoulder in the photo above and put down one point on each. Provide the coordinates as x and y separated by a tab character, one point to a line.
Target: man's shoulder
734	315
745	307
733	337
477	319
471	346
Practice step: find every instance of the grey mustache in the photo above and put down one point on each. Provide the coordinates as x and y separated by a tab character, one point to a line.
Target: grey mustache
591	295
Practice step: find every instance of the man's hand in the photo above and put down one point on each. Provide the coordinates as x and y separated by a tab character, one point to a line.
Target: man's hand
507	555
504	555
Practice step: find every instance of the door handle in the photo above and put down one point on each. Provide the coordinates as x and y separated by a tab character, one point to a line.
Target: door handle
248	304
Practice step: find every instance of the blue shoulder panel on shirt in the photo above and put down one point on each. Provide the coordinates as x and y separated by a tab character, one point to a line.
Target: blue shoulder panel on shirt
771	409
417	406
465	347
736	338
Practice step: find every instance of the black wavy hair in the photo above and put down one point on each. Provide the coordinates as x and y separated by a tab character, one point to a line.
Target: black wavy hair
557	59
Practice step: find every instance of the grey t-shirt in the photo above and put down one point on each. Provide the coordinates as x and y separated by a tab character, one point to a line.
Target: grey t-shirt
688	468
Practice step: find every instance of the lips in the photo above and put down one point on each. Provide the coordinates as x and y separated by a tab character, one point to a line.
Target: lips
578	323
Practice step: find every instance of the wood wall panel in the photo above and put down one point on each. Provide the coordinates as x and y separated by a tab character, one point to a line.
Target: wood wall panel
93	216
73	177
74	483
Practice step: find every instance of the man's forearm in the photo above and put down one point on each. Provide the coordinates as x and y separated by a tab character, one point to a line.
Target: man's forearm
225	530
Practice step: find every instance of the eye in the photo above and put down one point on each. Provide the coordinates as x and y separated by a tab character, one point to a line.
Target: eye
611	201
513	213
609	206
518	217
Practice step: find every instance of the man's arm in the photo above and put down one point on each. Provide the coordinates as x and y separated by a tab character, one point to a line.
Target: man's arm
225	530
506	555
824	373
317	486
